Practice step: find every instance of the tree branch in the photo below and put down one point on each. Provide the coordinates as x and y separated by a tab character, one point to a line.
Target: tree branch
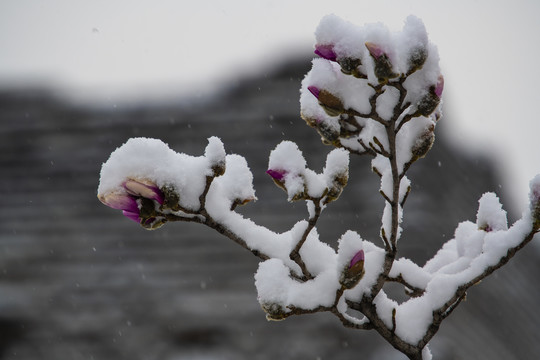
440	314
295	253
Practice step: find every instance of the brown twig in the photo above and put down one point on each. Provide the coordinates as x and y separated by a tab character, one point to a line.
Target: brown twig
410	290
295	253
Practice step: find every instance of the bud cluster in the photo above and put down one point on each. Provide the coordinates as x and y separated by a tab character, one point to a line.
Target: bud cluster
153	184
139	201
370	75
287	168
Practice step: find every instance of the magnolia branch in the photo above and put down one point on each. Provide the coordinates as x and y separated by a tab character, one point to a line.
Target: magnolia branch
374	127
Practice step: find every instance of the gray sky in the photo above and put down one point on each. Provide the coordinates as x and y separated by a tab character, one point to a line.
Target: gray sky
104	48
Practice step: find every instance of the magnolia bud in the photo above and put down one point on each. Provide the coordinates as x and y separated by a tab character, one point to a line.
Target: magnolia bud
428	104
120	201
329	134
218	169
349	66
331	104
278	176
326	52
338	184
274	312
431	100
241	202
417	58
143	188
423	144
383	66
354	271
131	199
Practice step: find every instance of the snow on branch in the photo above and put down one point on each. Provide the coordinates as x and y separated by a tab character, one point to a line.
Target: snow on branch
371	92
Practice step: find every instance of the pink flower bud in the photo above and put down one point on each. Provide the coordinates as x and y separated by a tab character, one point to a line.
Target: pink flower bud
145	190
126	203
353	273
331	104
314	90
276	174
383	67
375	50
359	256
326	52
137	202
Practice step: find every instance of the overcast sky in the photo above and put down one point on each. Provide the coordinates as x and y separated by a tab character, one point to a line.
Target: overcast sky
490	50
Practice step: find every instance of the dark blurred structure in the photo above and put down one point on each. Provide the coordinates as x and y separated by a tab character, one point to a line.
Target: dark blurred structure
79	281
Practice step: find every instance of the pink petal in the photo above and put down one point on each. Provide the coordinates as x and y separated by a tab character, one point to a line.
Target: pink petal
375	50
132	215
120	202
326	52
276	174
359	256
149	191
314	90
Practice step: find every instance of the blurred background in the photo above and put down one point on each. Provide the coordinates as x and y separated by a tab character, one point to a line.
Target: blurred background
77	79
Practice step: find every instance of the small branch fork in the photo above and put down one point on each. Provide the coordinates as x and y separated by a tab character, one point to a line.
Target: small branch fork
201	216
410	290
295	252
390	240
